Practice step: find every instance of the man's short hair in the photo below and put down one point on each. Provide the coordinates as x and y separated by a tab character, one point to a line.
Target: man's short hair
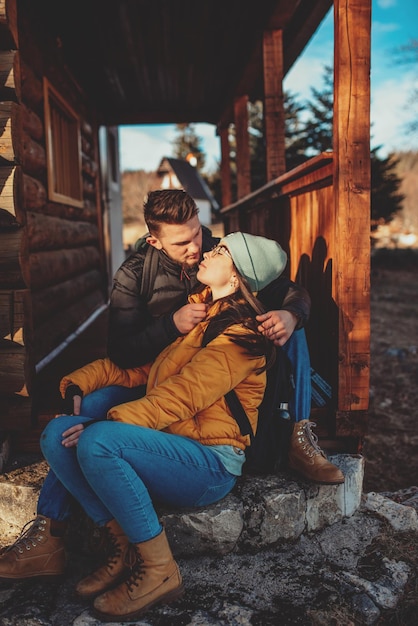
168	206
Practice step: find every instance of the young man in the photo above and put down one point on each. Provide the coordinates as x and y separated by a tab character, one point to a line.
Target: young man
148	311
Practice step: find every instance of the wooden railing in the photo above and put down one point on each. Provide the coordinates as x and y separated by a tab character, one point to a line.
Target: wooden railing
297	210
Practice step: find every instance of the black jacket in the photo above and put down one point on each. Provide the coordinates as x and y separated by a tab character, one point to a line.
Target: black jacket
140	327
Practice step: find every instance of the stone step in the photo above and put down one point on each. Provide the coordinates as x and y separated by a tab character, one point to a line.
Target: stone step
258	513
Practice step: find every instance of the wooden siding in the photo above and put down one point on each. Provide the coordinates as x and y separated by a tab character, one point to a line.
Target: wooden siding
51	265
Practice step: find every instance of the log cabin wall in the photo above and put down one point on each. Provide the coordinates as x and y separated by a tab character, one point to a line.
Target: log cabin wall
52	276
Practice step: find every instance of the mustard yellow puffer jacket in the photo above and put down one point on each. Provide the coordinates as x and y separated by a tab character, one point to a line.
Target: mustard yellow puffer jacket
185	387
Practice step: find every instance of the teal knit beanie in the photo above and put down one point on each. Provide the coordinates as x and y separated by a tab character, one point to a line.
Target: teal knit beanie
258	259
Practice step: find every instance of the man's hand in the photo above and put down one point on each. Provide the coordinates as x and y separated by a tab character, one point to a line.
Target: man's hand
188	316
277	325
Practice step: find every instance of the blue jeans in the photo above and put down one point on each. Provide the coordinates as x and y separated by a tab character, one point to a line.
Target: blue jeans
118	470
297	351
55	501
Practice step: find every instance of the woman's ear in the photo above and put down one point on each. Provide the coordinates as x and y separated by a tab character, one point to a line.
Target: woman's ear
234	281
153	241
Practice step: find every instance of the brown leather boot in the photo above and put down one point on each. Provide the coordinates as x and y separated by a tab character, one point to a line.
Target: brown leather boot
155	578
307	458
111	573
35	554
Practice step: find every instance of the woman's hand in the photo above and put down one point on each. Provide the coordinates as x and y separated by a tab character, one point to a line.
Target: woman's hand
71	436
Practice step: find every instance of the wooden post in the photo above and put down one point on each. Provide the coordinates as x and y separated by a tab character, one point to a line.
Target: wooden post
352	199
243	146
273	104
225	166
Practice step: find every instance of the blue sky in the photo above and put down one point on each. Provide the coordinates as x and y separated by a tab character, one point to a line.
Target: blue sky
394	24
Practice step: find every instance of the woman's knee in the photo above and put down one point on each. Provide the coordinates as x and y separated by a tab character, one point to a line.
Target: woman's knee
52	433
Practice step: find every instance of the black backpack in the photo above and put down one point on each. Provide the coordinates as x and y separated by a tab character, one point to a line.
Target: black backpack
269	447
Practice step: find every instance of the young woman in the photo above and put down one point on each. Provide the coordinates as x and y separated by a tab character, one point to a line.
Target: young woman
179	445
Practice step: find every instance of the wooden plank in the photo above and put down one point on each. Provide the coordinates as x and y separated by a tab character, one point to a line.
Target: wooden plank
352	21
274	122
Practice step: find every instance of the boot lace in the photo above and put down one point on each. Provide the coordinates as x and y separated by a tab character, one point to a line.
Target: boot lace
309	440
112	547
135	563
31	535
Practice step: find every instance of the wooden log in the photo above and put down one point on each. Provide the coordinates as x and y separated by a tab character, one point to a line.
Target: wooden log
10	186
11	312
12	368
16	121
8	22
87	212
34	193
45	232
32	93
52	267
49	301
89	166
28	121
55	331
32	156
10	254
7	75
89	189
6	143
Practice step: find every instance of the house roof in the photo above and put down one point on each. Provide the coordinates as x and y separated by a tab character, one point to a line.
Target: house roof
160	61
189	178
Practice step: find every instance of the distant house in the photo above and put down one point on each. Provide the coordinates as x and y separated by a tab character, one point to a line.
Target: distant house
179	174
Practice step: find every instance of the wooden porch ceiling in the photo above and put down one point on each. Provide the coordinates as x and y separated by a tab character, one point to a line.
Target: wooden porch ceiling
165	61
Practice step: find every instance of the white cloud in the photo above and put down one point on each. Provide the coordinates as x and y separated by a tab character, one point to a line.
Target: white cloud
391	110
386	4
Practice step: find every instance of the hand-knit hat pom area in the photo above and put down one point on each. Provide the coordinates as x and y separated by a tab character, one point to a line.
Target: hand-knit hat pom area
258	259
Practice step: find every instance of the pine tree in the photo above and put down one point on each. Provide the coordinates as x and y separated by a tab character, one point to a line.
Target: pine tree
187	144
385	197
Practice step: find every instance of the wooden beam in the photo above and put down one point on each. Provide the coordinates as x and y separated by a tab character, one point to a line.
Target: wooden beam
225	167
352	24
273	103
243	146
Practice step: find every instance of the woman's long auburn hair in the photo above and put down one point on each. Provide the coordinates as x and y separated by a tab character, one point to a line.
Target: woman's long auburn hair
241	307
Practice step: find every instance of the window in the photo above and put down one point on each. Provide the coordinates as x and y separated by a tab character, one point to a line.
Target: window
63	149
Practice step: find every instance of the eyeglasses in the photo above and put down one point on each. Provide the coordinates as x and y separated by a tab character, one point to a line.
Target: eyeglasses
220	250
